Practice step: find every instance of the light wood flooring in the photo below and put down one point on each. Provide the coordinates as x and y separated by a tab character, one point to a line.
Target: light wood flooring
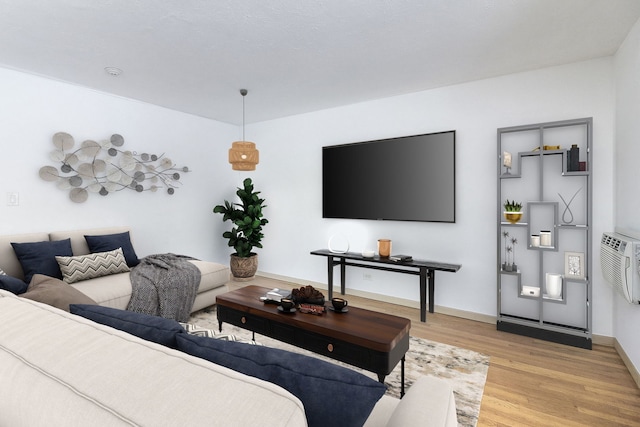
530	382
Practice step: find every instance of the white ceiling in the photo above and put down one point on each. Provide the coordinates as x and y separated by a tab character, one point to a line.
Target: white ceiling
297	56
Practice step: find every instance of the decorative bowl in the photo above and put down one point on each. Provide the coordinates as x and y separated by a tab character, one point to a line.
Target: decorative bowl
307	295
513	217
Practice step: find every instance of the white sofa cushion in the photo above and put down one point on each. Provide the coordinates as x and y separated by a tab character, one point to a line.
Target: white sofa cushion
62	370
429	402
110	291
212	274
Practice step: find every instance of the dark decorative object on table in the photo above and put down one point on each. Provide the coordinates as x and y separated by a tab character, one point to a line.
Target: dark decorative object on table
311	308
287	304
307	294
573	158
339	303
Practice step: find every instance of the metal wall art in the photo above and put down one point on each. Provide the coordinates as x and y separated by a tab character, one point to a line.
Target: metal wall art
104	168
567	215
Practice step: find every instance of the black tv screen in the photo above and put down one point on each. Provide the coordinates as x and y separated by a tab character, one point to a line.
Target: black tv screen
410	178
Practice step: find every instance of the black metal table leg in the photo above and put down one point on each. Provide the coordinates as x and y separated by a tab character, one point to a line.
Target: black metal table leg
432	287
402	377
343	275
423	294
330	276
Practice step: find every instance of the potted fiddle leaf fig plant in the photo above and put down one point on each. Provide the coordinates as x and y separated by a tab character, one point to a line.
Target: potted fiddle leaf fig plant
246	232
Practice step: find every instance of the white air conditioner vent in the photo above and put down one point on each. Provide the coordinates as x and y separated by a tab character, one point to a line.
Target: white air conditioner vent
611	241
619	261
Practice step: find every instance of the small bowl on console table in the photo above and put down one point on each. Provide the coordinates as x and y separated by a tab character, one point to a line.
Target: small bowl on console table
368	254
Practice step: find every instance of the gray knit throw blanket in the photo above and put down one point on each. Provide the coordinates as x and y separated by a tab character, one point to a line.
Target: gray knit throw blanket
164	285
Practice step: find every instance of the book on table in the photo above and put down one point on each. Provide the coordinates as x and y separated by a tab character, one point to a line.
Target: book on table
275	295
401	258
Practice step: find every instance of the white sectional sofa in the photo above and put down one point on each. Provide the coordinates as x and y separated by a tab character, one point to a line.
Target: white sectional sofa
113	290
60	369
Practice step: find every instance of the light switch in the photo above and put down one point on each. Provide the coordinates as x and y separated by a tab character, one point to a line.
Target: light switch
13	199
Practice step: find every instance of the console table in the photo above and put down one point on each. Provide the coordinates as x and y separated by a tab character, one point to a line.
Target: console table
425	269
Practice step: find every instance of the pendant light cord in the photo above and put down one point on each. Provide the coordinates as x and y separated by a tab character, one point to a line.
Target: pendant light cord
243	118
243	92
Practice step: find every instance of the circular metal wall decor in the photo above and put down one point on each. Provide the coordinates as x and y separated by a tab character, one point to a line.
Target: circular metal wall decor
104	168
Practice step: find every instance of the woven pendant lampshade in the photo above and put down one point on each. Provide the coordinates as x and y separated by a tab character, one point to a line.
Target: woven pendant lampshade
243	155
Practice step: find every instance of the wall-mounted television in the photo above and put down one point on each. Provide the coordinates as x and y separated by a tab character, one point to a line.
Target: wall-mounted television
410	178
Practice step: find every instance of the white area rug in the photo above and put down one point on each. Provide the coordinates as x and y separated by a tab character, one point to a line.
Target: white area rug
465	369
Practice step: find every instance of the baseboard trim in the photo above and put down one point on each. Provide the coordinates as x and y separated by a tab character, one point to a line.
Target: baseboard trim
603	340
627	362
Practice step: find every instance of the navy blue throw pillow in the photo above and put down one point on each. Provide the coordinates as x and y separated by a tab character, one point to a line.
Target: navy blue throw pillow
13	284
40	257
151	328
318	384
111	242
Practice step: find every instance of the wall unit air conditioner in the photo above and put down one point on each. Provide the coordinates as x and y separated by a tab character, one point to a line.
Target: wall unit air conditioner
619	261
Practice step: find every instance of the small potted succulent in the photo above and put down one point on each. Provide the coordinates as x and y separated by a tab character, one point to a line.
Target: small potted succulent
512	211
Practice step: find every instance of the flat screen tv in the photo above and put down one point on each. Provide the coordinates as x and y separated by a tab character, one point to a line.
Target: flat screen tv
411	178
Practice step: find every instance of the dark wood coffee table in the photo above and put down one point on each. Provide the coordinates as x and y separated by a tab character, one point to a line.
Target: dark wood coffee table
367	339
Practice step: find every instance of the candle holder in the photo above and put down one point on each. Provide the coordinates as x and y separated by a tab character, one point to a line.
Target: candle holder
384	248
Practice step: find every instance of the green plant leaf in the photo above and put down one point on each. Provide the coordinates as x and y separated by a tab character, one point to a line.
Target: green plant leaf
247	218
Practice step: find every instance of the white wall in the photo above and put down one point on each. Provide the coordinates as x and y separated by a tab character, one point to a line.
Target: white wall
290	177
627	202
32	109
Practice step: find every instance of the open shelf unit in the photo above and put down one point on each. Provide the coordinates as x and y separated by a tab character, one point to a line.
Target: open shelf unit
544	261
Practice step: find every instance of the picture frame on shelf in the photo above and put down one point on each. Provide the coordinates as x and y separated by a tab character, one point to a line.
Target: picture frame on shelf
574	265
506	162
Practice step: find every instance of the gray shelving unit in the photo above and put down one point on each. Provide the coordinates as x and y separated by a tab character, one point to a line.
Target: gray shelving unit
545	289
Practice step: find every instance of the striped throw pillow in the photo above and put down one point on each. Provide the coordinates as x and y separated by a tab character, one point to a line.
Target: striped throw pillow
85	267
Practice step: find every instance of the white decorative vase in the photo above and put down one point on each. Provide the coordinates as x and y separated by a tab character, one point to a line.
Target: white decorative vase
554	285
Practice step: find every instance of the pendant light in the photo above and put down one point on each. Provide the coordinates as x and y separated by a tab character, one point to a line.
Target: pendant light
243	155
